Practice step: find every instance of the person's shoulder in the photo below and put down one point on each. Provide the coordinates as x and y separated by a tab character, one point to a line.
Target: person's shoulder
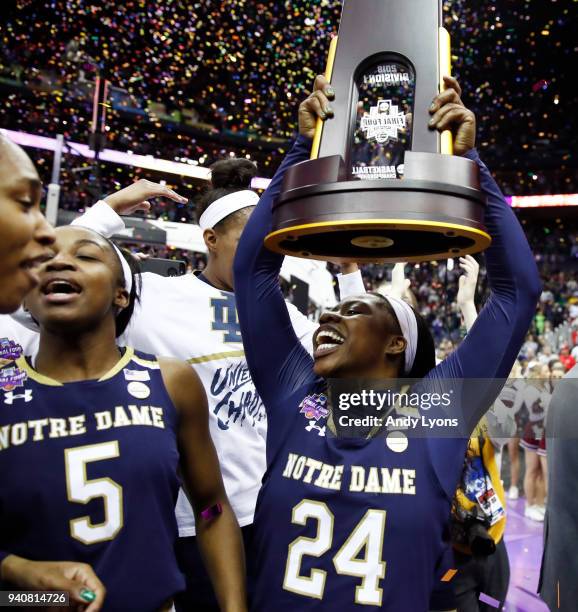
175	369
143	360
151	278
152	283
170	285
181	381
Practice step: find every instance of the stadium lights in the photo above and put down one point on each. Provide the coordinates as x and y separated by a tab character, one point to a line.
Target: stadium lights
201	173
148	162
537	201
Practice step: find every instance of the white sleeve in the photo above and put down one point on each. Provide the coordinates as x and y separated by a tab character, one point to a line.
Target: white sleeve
102	219
304	328
350	284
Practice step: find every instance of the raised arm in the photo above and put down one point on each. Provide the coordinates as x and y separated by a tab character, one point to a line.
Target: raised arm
493	343
104	217
277	361
467	290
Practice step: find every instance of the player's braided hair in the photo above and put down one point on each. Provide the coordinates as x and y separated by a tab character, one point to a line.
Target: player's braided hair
227	176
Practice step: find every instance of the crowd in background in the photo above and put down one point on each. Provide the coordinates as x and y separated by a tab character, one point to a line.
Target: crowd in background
552	339
194	98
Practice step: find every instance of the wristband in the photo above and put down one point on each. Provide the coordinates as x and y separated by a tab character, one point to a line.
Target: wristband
212	512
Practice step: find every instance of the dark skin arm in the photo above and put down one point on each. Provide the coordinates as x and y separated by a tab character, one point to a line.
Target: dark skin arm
219	538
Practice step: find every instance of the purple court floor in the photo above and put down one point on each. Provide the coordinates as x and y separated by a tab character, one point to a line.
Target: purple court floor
524	543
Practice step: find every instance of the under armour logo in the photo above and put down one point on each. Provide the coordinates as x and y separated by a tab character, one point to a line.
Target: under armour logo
11	396
313	425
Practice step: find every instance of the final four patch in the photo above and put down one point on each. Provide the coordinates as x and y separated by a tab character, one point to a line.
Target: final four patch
314	406
9	349
10	378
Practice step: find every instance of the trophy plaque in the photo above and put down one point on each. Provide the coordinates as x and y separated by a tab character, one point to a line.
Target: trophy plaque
381	186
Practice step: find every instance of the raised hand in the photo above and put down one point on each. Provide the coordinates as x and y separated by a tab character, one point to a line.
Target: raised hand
468	280
449	113
135	197
316	106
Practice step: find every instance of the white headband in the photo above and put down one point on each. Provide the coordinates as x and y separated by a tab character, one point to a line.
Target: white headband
408	324
227	205
126	271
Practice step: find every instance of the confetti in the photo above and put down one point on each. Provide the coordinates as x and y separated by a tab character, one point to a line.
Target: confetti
199	81
449	575
239	68
489	600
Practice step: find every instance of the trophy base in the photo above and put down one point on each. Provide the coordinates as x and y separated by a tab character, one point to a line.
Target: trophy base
386	220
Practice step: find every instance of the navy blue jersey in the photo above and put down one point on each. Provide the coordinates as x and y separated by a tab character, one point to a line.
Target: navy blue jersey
89	473
349	524
333	518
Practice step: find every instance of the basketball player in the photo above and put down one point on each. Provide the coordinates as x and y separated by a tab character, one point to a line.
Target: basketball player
346	523
25	234
193	318
90	443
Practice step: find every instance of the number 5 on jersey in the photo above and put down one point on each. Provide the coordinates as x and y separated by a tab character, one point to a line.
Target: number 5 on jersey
368	534
81	490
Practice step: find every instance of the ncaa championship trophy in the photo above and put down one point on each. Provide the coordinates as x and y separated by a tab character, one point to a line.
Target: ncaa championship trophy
381	186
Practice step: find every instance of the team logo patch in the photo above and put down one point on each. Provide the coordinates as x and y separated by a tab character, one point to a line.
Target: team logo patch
382	122
225	318
396	441
11	397
9	349
10	378
314	406
137	375
313	426
138	389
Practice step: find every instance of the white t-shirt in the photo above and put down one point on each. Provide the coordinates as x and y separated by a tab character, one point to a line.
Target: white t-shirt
186	318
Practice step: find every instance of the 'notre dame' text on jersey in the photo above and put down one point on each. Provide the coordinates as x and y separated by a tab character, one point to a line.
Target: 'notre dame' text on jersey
89	473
